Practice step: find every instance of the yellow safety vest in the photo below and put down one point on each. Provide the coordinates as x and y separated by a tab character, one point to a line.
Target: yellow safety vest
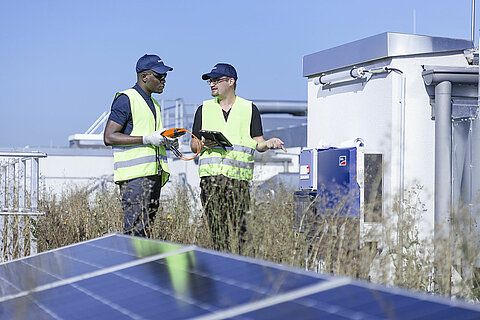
236	162
135	161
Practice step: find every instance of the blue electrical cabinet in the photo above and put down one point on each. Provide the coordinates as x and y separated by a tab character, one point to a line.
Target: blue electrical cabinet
328	178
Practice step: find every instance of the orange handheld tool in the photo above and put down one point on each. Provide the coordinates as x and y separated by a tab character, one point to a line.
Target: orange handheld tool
174	132
178	132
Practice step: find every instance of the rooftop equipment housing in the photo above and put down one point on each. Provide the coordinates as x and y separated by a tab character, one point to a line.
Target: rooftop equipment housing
385	90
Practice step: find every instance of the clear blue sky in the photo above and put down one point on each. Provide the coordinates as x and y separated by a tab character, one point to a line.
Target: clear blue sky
62	61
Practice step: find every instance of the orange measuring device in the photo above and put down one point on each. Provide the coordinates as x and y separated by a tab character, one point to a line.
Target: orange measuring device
178	132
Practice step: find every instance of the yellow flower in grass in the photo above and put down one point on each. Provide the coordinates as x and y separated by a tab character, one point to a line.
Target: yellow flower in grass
169	218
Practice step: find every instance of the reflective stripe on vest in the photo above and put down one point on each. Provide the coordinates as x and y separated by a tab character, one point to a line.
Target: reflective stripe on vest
237	161
238	148
140	160
227	162
121	149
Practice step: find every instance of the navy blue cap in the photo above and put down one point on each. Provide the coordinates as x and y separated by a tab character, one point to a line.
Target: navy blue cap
152	62
221	69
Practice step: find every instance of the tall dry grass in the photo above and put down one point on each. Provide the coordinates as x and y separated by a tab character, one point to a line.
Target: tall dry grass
77	216
328	242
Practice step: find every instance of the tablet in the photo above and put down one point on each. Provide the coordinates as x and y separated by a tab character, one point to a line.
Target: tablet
216	136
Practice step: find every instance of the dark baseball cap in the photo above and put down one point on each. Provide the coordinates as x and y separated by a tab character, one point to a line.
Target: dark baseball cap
152	62
221	69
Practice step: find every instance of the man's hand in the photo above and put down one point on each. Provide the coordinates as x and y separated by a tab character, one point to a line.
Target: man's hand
158	140
264	145
208	144
155	138
275	143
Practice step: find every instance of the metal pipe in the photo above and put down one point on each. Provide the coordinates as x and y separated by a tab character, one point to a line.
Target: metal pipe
22	184
476	173
3	186
469	167
23	154
298	108
34	177
402	137
443	159
11	185
347	75
176	113
100	120
182	113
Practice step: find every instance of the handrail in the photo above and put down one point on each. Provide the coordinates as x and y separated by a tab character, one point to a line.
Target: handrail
13	180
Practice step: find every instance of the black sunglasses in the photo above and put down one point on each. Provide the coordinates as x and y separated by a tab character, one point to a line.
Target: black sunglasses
160	76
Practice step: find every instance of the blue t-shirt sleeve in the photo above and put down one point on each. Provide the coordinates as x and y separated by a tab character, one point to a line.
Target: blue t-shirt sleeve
120	112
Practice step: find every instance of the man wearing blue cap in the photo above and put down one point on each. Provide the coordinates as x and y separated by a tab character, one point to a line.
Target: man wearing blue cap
225	174
134	130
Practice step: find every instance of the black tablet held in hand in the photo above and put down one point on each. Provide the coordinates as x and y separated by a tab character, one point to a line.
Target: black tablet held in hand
216	136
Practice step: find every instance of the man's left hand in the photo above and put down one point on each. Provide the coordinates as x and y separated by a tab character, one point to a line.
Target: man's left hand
275	143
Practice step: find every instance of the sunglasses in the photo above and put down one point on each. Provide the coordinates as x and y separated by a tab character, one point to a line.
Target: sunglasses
160	76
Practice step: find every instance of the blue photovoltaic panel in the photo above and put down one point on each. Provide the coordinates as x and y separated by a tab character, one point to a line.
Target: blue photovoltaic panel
358	302
185	285
121	277
44	268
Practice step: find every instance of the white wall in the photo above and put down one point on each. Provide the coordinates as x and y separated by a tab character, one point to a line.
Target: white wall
59	173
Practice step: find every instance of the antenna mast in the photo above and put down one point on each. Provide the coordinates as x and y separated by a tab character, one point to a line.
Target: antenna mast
473	22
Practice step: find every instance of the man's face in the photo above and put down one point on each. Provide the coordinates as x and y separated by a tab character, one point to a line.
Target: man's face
155	82
219	85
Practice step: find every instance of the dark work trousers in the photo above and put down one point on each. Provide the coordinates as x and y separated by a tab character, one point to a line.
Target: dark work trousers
225	202
140	201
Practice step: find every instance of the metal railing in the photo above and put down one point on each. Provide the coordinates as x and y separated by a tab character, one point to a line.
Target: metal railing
178	114
19	186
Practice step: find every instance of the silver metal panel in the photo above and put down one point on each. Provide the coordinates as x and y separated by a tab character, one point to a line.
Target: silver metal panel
384	45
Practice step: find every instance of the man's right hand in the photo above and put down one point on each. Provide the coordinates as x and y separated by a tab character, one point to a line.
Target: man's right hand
155	138
158	140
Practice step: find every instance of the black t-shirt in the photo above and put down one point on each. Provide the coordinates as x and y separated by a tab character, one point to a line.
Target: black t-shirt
256	129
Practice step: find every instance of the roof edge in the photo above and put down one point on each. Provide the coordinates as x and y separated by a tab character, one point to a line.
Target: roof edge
380	46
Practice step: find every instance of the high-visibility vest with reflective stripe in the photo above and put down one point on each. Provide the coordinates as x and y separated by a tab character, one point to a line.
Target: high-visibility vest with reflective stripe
131	162
237	161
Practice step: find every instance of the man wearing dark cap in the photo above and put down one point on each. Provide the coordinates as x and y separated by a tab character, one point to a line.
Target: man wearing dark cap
225	174
134	130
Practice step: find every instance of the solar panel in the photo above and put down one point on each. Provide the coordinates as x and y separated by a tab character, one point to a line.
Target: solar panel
123	277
